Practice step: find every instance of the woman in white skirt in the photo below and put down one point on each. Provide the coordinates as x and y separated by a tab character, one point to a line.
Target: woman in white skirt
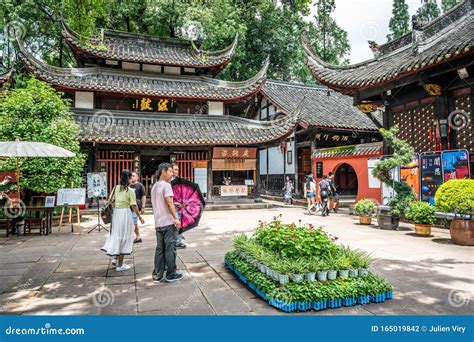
120	240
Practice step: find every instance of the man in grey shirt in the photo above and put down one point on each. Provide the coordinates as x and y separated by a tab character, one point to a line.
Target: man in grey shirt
167	225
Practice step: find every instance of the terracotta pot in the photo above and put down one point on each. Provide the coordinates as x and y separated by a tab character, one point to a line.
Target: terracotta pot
423	229
365	219
387	221
462	232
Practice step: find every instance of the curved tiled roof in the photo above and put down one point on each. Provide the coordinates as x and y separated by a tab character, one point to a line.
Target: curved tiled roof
120	127
6	77
322	107
142	83
139	48
369	149
446	38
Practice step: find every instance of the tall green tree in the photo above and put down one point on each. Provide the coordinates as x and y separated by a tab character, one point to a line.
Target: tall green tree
428	11
400	21
38	113
328	39
446	5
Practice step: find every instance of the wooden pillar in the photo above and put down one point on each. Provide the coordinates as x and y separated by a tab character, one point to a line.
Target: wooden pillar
209	176
258	184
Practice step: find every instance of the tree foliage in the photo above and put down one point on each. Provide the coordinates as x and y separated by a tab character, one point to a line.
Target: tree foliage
403	154
446	5
400	21
428	11
265	27
38	113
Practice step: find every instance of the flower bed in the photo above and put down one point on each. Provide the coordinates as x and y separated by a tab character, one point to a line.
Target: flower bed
302	268
310	295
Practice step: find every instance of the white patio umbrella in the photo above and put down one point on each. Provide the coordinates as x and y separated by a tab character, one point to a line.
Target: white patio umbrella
21	149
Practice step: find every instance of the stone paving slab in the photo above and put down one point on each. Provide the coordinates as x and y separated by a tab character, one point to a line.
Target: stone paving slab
67	274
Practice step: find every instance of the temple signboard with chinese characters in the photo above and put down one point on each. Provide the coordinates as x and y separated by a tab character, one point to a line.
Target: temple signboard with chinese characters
234	153
153	105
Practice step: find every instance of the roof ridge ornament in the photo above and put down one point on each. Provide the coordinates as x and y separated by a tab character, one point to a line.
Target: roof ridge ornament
375	48
416	33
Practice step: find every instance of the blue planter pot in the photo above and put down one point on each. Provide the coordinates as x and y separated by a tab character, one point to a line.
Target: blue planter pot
363	300
334	303
389	294
321	305
252	286
304	306
261	294
348	301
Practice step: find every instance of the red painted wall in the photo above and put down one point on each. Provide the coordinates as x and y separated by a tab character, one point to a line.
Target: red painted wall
359	164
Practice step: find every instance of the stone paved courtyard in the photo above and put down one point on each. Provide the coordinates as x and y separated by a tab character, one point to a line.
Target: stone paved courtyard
67	274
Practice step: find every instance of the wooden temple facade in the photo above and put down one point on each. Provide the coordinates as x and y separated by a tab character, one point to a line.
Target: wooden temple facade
423	82
141	100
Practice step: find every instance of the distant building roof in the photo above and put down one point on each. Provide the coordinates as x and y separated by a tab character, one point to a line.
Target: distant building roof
322	107
369	149
6	77
119	127
142	83
140	48
446	38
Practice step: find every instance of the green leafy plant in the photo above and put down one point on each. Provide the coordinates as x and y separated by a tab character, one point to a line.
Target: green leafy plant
38	112
456	196
403	154
421	213
365	207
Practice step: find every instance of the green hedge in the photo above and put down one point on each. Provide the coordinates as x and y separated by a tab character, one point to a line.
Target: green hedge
456	196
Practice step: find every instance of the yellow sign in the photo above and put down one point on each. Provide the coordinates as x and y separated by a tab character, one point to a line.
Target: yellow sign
432	89
162	105
145	104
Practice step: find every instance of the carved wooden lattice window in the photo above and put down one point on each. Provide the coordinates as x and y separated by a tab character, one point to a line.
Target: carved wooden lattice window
464	128
414	126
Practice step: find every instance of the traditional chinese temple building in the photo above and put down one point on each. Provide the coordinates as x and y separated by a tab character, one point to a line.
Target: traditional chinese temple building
141	100
327	120
423	81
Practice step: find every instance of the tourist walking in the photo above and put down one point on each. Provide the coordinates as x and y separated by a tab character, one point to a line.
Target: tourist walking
167	225
333	195
140	196
288	191
180	239
310	192
119	241
324	195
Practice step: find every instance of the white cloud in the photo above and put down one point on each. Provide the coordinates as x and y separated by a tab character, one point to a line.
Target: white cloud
366	20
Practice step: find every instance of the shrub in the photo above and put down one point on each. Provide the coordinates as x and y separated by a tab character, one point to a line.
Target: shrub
365	207
421	213
456	195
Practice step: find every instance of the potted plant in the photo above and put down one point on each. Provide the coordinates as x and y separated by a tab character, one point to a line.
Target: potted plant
310	270
457	197
322	273
403	154
423	215
331	263
365	208
343	264
361	261
298	271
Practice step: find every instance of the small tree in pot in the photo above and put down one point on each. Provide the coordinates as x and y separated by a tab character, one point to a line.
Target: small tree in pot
457	196
403	154
422	215
365	208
